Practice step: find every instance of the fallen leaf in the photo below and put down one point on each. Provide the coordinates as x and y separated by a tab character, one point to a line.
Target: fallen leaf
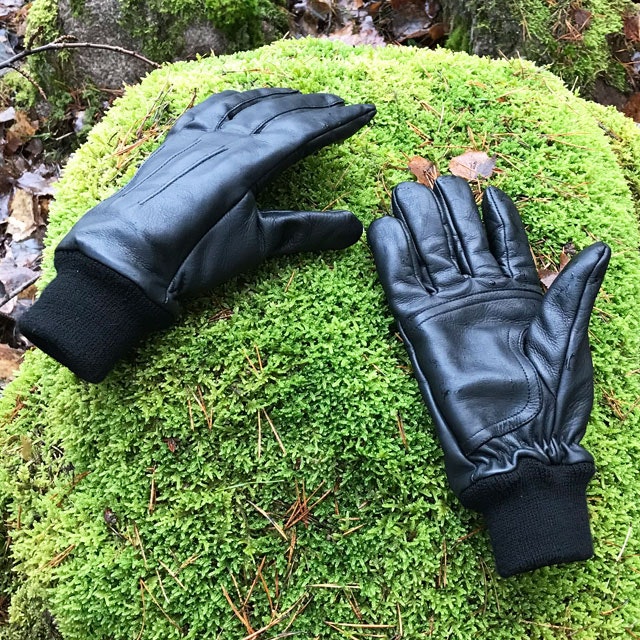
632	27
437	31
374	7
20	131
26	253
7	7
424	170
21	223
472	164
409	20
547	276
13	277
582	19
319	9
632	107
366	33
568	251
4	206
36	184
7	115
10	360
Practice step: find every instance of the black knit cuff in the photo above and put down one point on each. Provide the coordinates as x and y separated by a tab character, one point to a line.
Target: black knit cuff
90	316
536	515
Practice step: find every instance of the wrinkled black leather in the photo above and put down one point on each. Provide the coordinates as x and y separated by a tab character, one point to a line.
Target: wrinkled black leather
188	219
505	371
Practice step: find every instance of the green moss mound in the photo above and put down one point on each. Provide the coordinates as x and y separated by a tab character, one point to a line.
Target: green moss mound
143	506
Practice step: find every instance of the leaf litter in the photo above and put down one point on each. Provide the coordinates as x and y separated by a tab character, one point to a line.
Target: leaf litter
371	22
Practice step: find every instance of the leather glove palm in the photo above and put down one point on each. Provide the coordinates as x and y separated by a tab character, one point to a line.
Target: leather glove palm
505	371
188	221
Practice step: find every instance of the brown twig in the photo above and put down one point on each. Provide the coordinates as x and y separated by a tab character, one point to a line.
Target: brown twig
40	90
56	45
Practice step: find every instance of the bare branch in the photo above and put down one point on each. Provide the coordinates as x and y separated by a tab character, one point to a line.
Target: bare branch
57	45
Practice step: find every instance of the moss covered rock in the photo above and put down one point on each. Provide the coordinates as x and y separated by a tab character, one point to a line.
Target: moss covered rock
268	463
162	30
579	40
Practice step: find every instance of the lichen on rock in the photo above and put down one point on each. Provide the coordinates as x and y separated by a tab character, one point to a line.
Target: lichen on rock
135	505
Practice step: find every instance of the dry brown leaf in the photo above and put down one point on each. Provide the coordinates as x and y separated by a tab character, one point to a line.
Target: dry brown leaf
374	7
424	170
568	251
632	27
10	360
21	223
547	276
472	164
632	107
582	19
438	31
20	131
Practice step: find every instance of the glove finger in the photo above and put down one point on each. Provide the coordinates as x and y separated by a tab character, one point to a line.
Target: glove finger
287	232
316	127
507	237
261	113
418	209
466	231
216	109
396	263
299	133
563	319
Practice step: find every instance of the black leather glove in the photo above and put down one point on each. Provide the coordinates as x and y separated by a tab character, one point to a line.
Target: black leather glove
505	371
188	221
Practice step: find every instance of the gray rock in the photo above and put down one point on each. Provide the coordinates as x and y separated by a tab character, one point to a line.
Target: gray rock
100	22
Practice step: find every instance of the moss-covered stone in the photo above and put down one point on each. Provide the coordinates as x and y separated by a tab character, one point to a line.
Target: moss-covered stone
574	38
136	504
162	30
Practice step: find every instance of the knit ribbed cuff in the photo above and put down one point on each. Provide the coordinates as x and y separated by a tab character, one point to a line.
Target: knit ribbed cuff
90	316
536	515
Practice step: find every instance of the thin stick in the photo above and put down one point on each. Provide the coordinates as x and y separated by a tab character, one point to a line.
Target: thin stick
277	527
259	358
275	432
54	46
144	609
164	613
40	90
240	616
403	435
20	289
172	574
259	435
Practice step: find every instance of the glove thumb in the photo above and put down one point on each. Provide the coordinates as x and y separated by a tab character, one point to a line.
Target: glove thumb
297	231
563	320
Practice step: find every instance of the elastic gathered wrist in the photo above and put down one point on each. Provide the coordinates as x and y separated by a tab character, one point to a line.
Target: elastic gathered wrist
90	316
536	515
